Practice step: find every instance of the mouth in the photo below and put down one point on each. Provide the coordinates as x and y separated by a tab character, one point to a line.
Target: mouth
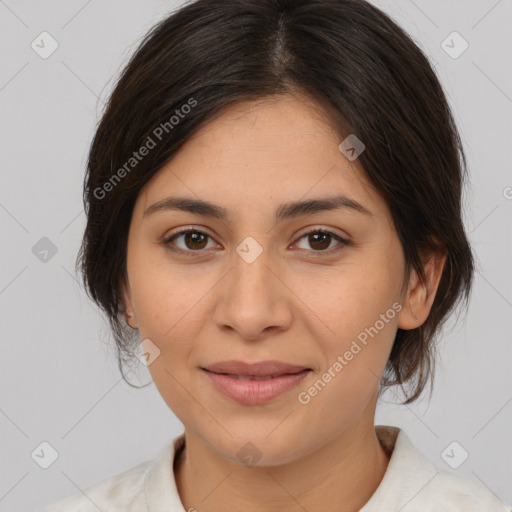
257	383
263	369
254	377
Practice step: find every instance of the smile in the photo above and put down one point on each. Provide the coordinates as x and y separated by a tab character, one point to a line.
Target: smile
252	389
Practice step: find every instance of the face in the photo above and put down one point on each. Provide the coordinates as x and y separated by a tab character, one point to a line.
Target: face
319	289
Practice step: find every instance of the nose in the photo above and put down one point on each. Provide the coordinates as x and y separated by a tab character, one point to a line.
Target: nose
253	300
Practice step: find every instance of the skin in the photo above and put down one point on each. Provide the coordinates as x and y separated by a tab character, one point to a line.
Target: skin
294	303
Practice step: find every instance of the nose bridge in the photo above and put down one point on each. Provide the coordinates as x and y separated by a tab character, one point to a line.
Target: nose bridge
252	299
250	280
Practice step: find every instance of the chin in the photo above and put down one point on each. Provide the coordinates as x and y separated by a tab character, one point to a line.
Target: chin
260	447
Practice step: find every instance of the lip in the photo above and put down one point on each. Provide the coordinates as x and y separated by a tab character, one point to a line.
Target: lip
259	369
236	380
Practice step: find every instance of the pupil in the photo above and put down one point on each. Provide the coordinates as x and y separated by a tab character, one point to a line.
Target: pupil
194	237
325	237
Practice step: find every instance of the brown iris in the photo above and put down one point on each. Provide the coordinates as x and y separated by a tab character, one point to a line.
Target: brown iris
194	240
321	239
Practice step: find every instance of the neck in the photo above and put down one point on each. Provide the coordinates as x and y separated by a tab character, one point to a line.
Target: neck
342	474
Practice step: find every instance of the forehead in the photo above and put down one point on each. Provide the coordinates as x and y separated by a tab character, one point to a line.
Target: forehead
272	150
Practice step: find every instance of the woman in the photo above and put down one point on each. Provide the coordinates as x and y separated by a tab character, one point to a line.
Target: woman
274	225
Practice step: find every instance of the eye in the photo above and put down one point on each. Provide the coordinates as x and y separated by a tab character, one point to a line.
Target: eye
193	240
320	240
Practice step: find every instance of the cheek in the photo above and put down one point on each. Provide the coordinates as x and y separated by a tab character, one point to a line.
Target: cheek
361	313
351	299
364	322
172	305
164	295
171	314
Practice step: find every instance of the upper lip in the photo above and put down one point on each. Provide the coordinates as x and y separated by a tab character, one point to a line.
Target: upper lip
260	369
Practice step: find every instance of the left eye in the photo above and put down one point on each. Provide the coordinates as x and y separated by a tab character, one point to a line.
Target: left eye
195	241
321	240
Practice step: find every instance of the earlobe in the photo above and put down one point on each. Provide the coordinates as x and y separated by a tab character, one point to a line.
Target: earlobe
130	319
420	295
129	315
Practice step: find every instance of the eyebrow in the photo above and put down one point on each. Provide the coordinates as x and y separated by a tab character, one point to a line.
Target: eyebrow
283	212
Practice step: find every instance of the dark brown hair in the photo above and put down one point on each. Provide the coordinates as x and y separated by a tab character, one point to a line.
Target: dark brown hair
362	70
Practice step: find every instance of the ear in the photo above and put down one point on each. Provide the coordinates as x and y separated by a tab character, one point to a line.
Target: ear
127	308
420	296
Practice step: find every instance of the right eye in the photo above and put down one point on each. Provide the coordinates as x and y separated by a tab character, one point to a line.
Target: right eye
193	240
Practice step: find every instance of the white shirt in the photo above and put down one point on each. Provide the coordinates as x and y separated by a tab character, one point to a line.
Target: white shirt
411	484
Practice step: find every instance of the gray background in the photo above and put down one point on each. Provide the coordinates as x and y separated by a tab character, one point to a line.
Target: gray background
58	379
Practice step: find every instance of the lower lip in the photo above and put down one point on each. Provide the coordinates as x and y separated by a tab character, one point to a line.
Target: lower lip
254	392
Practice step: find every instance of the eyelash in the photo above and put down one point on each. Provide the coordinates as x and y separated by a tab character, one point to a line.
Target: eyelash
168	242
